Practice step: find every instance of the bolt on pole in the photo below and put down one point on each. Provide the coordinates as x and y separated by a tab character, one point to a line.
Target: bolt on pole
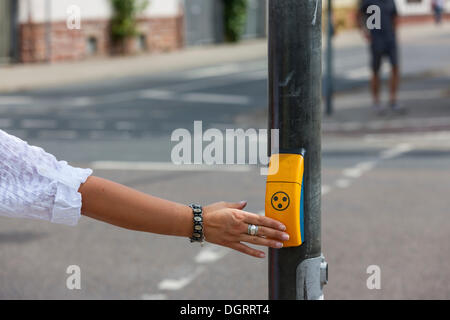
295	42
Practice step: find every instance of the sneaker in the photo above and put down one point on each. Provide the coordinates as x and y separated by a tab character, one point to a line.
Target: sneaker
395	107
378	109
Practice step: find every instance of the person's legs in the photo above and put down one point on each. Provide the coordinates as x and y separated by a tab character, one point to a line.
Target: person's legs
375	87
395	77
439	15
393	85
376	54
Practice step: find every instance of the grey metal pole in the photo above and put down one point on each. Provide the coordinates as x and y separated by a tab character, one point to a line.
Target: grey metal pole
295	109
329	87
48	30
14	34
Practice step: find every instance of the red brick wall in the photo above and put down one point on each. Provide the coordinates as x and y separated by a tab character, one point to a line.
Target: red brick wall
162	34
32	43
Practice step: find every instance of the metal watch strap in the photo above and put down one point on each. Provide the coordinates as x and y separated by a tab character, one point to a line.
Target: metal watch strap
197	234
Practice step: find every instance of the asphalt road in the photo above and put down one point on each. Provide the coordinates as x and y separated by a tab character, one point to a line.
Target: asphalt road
385	197
385	203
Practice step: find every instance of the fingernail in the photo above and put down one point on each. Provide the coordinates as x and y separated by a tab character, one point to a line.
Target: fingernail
262	255
243	202
279	245
282	227
285	237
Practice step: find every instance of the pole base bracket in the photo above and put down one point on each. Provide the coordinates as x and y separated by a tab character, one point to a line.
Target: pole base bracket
312	275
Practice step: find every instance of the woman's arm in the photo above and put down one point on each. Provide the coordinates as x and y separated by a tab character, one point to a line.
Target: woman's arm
34	184
224	223
125	207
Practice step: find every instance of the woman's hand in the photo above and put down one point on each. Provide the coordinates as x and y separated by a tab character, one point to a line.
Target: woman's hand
226	224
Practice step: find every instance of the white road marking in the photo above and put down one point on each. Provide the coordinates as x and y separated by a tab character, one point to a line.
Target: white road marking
125	125
38	124
325	189
364	72
256	75
396	151
87	124
177	284
215	98
215	71
194	97
82	102
15	100
343	183
211	254
389	124
359	101
165	166
358	170
156	94
225	70
442	136
57	134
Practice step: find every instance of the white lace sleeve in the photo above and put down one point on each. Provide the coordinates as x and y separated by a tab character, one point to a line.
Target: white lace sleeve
34	184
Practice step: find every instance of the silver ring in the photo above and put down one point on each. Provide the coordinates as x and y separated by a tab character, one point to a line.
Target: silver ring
252	230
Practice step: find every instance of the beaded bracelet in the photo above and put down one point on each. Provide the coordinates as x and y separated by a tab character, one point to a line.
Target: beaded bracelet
197	235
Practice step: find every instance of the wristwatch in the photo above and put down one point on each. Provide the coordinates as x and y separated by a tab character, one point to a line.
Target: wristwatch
197	234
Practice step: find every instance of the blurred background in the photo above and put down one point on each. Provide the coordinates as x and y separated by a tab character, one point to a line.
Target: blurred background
103	84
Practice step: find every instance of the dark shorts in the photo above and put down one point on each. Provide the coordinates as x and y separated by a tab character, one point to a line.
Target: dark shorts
383	48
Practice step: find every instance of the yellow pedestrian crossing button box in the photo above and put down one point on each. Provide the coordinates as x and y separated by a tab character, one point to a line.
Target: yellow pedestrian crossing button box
284	193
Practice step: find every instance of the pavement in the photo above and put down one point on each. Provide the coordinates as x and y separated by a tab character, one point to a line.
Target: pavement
385	180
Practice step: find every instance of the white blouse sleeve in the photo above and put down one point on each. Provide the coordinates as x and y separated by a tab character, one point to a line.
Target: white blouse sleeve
34	184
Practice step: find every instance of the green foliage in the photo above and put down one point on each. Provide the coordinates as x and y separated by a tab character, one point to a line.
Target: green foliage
123	23
235	17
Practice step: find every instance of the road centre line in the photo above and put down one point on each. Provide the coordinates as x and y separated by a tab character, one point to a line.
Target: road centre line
210	254
343	183
360	168
180	283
